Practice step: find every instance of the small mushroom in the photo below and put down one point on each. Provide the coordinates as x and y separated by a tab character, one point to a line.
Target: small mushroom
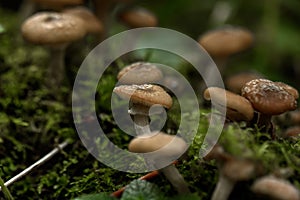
235	82
93	24
142	98
269	98
224	42
138	17
275	188
238	108
232	171
292	133
140	73
55	30
171	148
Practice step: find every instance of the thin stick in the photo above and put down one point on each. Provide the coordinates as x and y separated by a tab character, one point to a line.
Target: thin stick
36	164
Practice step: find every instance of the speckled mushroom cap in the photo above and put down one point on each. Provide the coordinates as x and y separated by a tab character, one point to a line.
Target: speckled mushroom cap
140	73
146	94
268	97
238	108
138	17
174	145
276	188
93	24
52	28
226	41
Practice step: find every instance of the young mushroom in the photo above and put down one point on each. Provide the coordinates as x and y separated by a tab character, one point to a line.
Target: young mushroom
55	30
224	42
138	17
238	108
170	147
232	171
269	98
142	98
275	188
140	73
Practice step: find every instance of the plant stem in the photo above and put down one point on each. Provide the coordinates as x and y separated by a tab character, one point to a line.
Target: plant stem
223	188
5	190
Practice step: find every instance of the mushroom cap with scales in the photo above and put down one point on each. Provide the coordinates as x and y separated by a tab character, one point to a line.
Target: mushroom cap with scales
146	94
268	97
52	28
138	17
140	73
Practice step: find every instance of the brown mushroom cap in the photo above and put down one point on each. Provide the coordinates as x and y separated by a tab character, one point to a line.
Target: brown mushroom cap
146	94
52	28
93	24
174	145
235	82
268	97
275	188
238	108
140	73
138	17
226	41
239	169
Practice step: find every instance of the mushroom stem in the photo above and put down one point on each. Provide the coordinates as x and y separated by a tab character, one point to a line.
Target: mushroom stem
57	65
175	178
265	125
223	188
140	115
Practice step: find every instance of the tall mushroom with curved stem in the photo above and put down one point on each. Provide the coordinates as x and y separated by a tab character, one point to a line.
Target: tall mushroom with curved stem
224	42
269	98
142	99
171	148
56	31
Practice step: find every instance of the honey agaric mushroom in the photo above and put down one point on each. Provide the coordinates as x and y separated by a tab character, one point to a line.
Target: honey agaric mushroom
224	42
235	82
55	30
269	98
292	133
238	108
140	73
142	98
138	17
275	188
172	147
232	171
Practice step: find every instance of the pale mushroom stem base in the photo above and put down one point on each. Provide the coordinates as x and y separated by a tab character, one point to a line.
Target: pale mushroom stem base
56	68
223	189
141	125
176	179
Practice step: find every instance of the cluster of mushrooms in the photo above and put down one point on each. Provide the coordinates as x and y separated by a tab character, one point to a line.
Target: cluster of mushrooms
261	103
56	24
250	96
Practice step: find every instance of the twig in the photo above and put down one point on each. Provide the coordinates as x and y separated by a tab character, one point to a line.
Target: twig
36	164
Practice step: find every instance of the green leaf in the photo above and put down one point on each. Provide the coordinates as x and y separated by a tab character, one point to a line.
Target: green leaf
186	197
142	190
2	29
100	196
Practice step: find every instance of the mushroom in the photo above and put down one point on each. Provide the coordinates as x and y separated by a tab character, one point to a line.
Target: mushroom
235	82
142	98
93	24
238	108
269	98
292	133
140	73
138	17
170	148
275	188
223	42
56	30
232	171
